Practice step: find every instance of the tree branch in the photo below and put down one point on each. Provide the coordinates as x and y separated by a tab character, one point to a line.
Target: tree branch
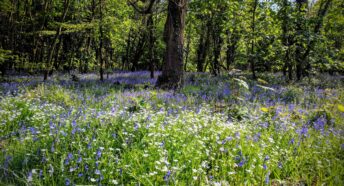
148	10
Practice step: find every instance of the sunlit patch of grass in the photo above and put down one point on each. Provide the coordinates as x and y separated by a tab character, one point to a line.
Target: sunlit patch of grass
53	94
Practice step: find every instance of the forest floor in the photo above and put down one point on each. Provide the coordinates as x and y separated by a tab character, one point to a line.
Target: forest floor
214	131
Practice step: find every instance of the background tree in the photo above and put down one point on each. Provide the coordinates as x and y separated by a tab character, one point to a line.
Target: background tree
294	37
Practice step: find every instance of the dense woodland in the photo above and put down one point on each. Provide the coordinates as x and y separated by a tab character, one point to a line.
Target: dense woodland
172	92
298	38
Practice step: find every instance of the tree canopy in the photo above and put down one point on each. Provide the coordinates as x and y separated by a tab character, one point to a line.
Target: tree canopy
297	38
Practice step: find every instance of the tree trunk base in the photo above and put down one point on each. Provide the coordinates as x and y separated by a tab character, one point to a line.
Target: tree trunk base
174	81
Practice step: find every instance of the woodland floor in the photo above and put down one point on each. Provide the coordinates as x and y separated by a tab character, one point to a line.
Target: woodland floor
215	131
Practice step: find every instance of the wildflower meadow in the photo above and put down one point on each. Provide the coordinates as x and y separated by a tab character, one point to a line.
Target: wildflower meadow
214	131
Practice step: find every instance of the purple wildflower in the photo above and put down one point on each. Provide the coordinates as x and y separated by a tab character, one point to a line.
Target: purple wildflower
319	124
292	141
303	132
67	182
136	126
7	161
227	139
29	176
237	135
162	144
73	131
266	158
99	154
256	137
63	133
167	176
70	156
291	107
267	178
33	130
52	149
226	91
97	172
114	135
280	165
242	162
79	160
52	125
74	124
264	125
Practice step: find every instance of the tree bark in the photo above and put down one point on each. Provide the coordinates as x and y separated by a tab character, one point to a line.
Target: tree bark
172	72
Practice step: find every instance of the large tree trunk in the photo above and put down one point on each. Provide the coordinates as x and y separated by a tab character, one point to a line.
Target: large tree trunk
172	72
